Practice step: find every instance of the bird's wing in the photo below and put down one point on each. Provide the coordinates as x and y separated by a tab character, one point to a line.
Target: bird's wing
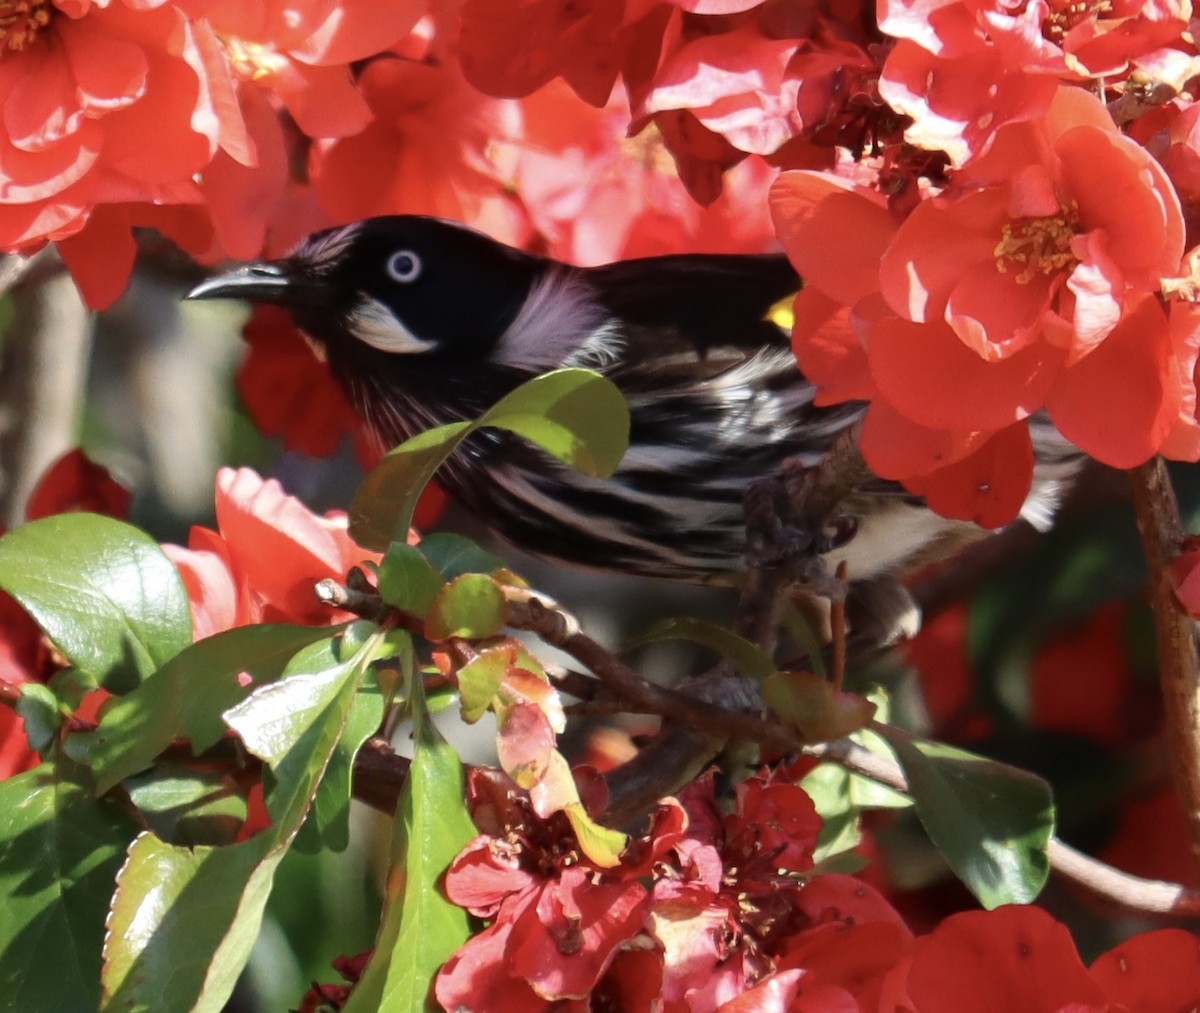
697	305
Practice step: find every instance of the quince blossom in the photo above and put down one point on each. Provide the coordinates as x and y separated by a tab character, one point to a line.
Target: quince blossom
261	563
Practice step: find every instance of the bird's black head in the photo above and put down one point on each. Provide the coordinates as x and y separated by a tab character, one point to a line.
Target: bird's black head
402	285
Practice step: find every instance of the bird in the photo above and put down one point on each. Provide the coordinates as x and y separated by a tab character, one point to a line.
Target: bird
425	321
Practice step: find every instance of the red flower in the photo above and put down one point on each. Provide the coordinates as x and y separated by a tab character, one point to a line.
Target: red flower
558	920
597	197
290	394
300	50
1154	971
262	564
512	49
966	68
427	150
102	104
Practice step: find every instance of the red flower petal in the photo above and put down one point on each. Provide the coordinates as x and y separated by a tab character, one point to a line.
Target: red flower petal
1119	403
1010	960
74	482
987	488
931	377
1153	971
101	255
563	946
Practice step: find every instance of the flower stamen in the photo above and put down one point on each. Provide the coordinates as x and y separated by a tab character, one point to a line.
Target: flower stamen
21	21
1036	246
1063	16
252	61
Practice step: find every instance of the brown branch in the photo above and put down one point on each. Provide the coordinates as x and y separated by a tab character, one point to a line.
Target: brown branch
379	775
1179	666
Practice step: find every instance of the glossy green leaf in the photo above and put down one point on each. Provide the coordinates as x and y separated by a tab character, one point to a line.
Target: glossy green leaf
453	555
407	580
575	414
990	821
420	927
748	658
60	850
103	592
188	696
184	920
469	606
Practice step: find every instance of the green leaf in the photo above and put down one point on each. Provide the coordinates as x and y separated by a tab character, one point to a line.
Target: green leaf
60	850
469	606
453	555
102	591
407	580
185	805
479	681
828	785
187	697
575	414
183	920
748	658
38	708
990	821
420	927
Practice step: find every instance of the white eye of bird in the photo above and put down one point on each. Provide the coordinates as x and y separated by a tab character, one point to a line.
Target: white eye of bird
404	266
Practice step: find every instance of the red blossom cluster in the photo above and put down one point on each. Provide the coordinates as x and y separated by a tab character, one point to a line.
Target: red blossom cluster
990	202
725	912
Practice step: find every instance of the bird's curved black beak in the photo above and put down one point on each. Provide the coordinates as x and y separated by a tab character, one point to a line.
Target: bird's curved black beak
265	281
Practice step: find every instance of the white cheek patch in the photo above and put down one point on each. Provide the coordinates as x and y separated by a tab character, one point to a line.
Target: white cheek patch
560	324
374	324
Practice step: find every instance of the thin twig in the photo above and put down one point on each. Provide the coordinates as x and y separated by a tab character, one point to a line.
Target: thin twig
1162	534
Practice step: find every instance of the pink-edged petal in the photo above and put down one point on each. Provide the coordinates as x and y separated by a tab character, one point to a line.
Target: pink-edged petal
355	31
934	246
27	177
1098	290
41	108
996	315
220	94
1121	189
109	71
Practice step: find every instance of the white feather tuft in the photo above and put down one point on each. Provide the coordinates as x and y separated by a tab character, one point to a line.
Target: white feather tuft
560	324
